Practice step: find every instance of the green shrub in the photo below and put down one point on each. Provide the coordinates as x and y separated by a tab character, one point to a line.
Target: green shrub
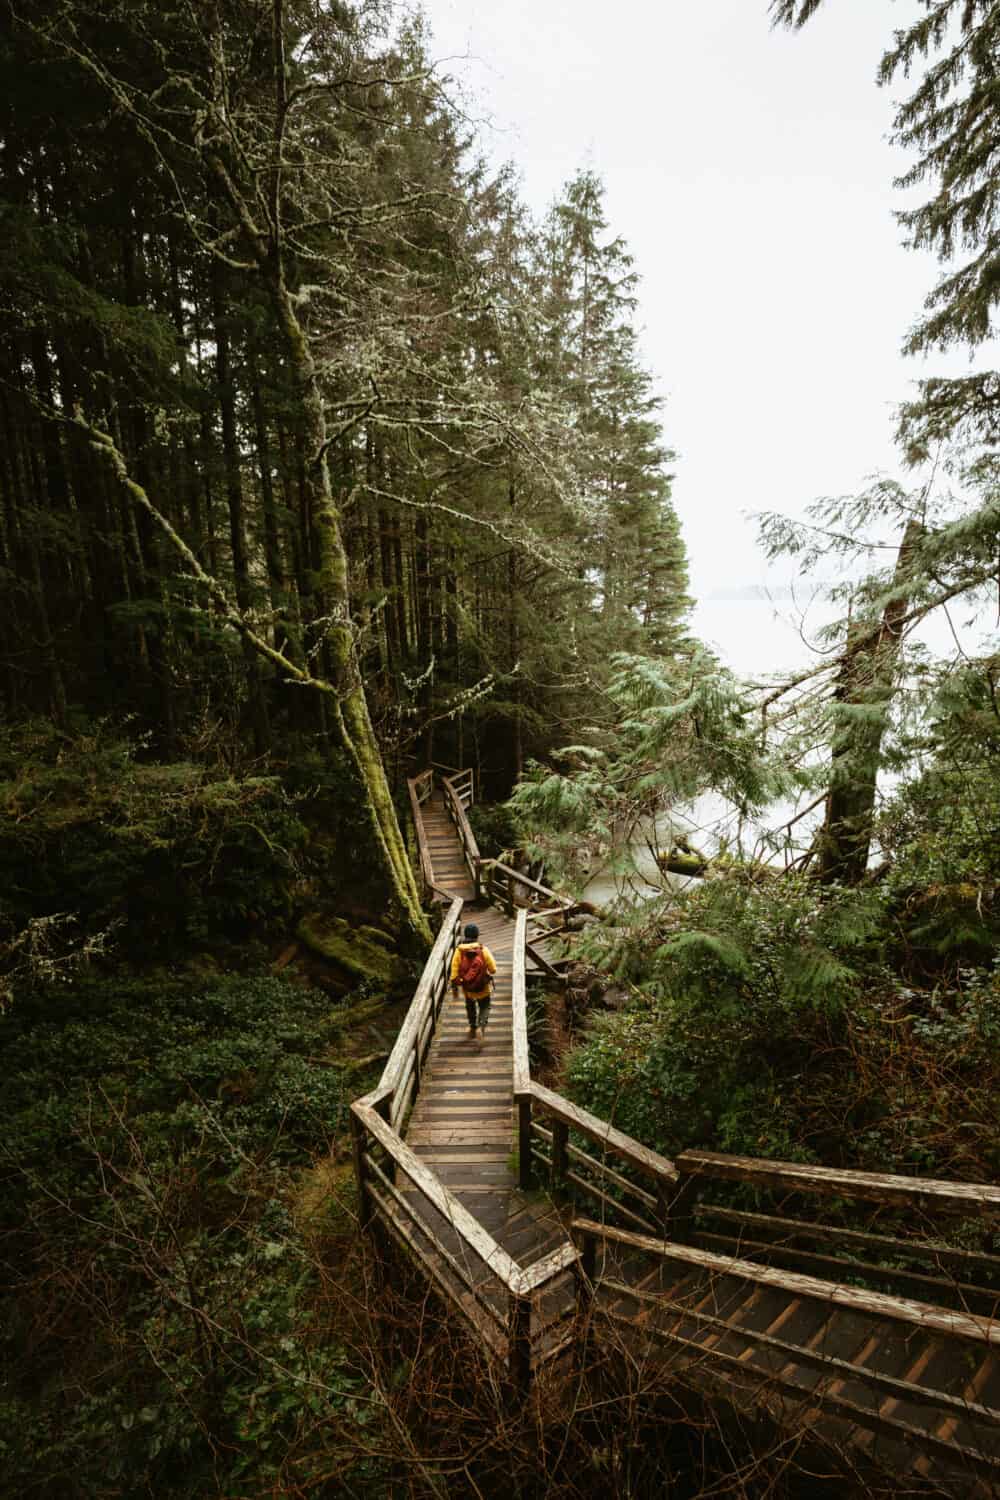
494	827
151	1134
167	855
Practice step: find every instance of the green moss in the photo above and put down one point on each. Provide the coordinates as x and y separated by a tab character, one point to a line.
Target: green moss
375	935
354	949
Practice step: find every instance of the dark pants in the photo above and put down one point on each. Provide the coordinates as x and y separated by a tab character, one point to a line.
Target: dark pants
483	1003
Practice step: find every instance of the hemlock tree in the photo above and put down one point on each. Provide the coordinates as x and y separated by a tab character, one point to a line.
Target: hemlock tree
438	544
589	350
951	123
254	120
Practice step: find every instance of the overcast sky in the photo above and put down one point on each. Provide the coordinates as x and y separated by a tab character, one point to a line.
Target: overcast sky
750	173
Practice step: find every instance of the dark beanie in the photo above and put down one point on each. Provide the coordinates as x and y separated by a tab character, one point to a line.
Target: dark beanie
470	932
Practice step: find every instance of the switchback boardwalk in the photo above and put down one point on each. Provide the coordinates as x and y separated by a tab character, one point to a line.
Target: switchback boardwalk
884	1346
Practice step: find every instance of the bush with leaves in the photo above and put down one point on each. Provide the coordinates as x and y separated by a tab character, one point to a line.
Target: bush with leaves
94	840
161	1322
732	982
673	728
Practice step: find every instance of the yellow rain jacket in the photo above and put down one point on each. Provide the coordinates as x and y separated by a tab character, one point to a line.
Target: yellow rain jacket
491	968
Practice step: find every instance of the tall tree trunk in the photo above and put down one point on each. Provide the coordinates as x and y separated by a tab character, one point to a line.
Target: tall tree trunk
866	684
276	582
514	645
234	499
351	707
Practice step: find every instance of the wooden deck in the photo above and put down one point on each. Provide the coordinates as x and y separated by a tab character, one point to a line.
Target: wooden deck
462	1124
884	1347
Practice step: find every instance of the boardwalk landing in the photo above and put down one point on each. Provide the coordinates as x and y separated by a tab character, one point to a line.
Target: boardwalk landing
462	1124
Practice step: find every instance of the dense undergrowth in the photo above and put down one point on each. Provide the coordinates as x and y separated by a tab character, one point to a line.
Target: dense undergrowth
163	1326
176	1191
104	851
775	1017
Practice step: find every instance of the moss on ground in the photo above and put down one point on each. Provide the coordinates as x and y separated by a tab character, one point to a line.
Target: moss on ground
352	948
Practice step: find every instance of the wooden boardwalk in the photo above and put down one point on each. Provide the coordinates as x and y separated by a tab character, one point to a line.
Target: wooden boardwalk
462	1124
882	1346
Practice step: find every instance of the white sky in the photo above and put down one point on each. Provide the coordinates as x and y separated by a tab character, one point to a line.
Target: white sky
750	174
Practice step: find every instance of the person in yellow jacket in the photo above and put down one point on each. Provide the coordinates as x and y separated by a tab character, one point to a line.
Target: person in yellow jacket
473	967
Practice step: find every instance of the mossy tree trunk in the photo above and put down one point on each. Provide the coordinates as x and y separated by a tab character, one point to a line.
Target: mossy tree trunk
865	686
351	711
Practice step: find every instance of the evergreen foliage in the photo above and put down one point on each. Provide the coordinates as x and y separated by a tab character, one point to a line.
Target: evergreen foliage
949	123
473	476
167	1291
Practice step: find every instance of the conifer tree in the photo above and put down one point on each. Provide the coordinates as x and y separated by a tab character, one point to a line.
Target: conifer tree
950	123
589	348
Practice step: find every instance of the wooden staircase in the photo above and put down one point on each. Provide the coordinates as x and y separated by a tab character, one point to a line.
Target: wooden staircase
882	1346
462	1125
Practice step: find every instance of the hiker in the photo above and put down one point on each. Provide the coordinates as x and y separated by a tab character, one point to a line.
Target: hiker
473	967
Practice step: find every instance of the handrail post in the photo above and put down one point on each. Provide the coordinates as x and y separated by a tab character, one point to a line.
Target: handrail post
524	1178
560	1162
519	1342
477	876
585	1272
384	1108
588	1258
365	1207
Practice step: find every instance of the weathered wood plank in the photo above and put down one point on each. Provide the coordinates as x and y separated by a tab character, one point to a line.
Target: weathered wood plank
460	1270
798	1229
877	1304
426	865
606	1171
519	1005
979	1197
647	1161
915	1438
619	1208
497	1132
830	1265
466	1302
422	998
407	1161
549	1267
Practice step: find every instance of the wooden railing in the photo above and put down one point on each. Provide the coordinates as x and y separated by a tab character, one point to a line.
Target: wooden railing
502	885
421	789
458	795
715	1336
625	1179
644	1203
906	1260
499	1299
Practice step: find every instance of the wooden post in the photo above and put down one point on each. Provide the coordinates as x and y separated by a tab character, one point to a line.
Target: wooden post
365	1209
586	1274
508	901
560	1162
676	1210
524	1141
478	878
384	1108
519	1342
588	1259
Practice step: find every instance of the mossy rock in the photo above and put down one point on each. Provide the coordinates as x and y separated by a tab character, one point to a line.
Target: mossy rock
376	935
352	948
